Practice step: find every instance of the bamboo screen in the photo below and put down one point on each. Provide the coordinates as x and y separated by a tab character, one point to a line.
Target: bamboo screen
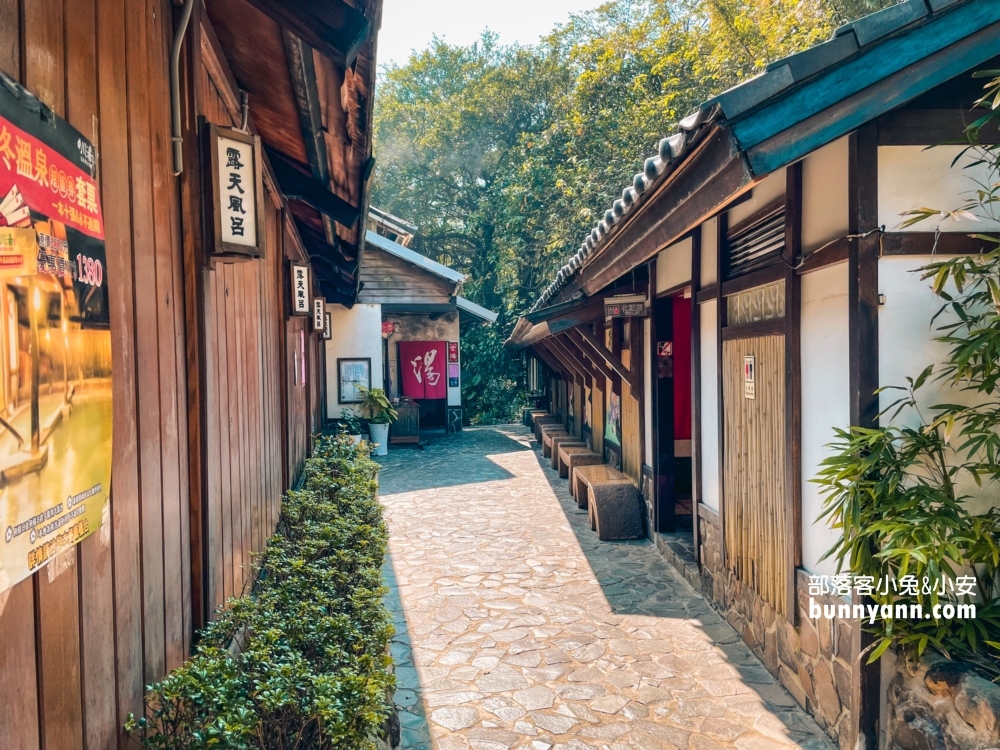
631	443
754	499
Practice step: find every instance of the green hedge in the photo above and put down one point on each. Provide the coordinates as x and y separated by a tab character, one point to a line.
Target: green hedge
311	669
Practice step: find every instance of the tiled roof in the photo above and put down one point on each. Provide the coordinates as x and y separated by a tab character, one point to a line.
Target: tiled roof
743	99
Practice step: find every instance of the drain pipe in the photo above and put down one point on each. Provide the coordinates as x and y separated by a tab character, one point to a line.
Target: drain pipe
175	87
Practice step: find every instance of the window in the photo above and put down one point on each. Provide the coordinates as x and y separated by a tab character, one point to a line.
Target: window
760	303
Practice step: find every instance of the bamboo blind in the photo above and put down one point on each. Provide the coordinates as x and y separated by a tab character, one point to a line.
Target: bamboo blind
754	468
631	444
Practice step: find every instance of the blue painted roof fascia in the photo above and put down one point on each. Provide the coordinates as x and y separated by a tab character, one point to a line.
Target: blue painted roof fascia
863	70
421	261
765	157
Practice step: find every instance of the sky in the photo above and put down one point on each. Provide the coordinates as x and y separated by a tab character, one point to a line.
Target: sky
410	24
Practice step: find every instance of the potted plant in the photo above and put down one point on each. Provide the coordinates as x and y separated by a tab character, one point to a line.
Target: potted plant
351	425
380	416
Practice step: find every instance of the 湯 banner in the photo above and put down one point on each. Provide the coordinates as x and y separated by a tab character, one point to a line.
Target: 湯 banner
55	339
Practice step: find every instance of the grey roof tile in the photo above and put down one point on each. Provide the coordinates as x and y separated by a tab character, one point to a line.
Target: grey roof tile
815	59
750	93
884	22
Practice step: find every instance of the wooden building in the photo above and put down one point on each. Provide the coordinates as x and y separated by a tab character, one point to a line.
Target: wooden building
765	245
405	298
217	386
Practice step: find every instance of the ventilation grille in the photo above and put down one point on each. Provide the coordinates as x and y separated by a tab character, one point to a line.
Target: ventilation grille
757	245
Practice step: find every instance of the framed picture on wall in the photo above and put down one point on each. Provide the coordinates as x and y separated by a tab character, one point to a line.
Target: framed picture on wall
352	373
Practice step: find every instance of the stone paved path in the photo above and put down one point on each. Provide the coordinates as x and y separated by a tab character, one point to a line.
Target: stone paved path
517	628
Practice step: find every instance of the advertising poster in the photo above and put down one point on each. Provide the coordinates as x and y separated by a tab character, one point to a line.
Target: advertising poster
55	340
613	426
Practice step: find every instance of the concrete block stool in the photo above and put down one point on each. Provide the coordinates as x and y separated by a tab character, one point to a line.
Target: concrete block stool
598	473
559	442
540	422
615	511
549	433
571	456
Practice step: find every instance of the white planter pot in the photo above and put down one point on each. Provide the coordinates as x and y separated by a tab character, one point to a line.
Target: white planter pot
355	439
379	434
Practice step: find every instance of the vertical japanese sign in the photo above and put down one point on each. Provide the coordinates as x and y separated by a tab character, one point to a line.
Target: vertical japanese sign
300	289
319	314
453	351
327	327
237	191
55	339
749	376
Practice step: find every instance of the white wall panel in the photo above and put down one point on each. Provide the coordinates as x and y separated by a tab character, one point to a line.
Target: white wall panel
356	333
709	426
825	398
911	177
824	195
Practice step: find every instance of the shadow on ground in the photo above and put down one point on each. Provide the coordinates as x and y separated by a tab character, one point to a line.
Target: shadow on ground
408	469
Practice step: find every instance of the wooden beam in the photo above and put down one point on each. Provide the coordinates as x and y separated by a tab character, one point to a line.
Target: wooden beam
793	385
333	27
546	359
564	372
574	365
593	357
297	185
584	361
932	127
924	243
613	362
863	366
696	474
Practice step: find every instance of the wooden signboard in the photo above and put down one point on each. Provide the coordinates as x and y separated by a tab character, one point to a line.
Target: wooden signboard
327	327
300	289
236	186
625	306
319	315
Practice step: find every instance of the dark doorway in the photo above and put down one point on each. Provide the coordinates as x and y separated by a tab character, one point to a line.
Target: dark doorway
672	420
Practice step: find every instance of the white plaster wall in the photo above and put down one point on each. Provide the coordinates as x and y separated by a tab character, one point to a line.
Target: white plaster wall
765	192
422	328
356	333
710	251
911	177
825	213
673	265
825	398
709	427
647	377
906	347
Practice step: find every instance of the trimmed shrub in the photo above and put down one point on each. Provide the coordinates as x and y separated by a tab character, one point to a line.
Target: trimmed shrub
301	662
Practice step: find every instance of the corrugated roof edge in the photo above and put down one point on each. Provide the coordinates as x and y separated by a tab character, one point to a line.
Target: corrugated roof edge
740	99
468	306
421	261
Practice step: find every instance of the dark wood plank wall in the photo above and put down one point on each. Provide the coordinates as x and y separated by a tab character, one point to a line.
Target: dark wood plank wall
243	315
81	638
387	278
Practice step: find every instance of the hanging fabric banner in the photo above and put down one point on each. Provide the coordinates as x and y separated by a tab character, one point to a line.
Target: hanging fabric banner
55	339
422	369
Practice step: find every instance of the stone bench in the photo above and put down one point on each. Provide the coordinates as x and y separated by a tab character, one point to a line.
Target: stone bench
614	508
549	433
532	414
558	443
573	456
583	477
540	422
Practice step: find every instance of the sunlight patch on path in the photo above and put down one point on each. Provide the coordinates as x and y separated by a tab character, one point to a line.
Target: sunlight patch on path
521	629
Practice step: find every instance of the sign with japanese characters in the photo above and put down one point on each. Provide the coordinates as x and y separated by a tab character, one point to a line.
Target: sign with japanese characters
327	327
749	376
301	297
55	341
625	306
237	191
453	351
319	314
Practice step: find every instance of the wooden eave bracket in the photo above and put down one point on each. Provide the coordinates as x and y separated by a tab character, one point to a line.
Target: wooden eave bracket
332	27
632	378
296	185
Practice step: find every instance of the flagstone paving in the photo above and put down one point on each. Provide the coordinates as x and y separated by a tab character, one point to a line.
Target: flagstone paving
517	628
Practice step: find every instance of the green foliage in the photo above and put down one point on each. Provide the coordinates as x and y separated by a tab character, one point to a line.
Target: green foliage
504	156
901	492
377	404
350	423
301	662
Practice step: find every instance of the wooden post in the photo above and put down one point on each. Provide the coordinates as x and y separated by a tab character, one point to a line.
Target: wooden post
720	321
862	265
696	481
793	383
